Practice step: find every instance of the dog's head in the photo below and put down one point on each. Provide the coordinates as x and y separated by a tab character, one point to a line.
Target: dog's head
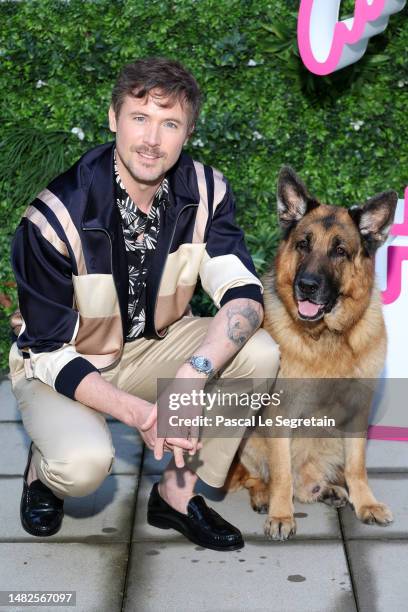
325	263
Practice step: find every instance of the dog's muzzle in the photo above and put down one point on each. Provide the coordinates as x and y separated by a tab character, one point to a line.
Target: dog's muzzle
314	296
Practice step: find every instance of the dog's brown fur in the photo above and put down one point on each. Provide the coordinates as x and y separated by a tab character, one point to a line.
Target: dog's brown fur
349	341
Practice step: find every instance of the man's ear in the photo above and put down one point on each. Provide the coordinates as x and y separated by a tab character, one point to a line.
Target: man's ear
112	119
375	218
189	134
293	198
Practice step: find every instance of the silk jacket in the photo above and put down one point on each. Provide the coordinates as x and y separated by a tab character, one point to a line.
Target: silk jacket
69	260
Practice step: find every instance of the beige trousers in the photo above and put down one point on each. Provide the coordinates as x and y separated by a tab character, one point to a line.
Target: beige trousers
73	451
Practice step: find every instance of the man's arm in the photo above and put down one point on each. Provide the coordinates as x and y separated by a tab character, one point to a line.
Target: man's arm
227	333
43	270
229	277
97	393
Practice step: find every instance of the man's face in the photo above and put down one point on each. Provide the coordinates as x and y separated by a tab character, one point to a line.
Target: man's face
150	133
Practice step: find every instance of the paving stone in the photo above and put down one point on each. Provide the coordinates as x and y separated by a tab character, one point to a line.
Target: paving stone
8	403
313	520
387	456
392	490
105	515
269	577
379	574
128	448
14	444
96	572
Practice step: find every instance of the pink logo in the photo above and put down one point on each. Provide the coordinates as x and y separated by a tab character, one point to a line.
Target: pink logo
327	44
395	256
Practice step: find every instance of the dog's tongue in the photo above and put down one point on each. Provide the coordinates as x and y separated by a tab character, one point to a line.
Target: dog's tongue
308	309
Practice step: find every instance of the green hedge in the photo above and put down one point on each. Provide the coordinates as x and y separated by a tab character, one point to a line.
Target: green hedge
346	135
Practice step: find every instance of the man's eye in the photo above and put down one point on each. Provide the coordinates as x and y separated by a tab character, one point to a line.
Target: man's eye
171	124
139	118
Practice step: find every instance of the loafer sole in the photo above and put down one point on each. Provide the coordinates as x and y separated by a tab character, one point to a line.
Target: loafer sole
166	523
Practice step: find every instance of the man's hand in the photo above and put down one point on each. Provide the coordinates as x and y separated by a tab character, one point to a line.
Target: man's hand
148	430
148	435
95	392
185	439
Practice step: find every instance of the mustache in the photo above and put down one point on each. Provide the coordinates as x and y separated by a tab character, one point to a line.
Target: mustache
148	151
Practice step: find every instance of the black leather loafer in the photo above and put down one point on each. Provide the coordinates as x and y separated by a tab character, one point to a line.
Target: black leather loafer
41	512
201	525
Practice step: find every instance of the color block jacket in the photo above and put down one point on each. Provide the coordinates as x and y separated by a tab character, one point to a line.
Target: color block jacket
69	260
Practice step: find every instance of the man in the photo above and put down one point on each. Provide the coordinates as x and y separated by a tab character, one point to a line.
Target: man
106	261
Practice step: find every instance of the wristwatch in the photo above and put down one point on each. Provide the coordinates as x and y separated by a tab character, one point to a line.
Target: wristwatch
201	364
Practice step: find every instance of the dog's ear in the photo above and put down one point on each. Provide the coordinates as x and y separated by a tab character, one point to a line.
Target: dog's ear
293	199
375	218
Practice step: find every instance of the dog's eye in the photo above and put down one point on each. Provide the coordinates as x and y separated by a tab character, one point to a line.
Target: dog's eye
302	245
340	251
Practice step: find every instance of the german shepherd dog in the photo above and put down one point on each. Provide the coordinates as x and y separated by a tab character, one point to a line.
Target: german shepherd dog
324	311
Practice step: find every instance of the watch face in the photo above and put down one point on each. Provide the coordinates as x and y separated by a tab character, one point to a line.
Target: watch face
202	363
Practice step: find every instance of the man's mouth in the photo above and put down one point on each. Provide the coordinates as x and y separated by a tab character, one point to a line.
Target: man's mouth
309	311
149	156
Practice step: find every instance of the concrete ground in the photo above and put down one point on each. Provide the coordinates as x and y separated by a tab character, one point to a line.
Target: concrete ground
115	562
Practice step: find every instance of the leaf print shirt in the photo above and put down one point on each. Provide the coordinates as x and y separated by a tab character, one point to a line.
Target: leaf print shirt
140	232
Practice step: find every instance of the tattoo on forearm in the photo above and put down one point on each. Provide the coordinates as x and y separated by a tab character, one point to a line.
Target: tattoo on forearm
242	322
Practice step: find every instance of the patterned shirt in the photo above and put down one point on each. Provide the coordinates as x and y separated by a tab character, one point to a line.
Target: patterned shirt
140	231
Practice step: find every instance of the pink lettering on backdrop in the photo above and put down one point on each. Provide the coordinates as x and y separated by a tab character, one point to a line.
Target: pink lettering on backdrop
395	256
327	44
401	229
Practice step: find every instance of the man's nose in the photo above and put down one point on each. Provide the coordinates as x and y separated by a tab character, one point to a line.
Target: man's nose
151	135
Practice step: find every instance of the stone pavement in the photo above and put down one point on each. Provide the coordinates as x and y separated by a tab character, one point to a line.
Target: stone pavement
115	562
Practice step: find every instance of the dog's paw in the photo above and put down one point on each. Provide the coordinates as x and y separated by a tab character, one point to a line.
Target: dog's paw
334	496
260	508
280	528
260	503
259	496
377	513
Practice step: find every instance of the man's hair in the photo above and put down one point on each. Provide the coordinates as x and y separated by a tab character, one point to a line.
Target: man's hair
168	77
